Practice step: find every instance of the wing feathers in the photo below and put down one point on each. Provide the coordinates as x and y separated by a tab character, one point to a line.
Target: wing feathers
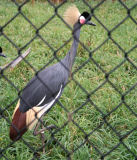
23	121
18	127
41	101
36	112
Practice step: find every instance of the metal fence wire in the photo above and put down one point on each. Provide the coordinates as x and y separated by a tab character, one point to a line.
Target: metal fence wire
69	153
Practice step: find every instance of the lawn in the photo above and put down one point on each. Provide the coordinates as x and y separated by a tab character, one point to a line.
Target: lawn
93	116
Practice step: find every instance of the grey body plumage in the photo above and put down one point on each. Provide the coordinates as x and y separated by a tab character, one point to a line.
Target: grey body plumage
43	91
47	83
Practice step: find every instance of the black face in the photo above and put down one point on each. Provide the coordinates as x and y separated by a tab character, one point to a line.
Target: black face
85	19
86	15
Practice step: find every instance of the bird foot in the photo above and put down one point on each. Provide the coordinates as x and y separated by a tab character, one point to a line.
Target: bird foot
41	132
52	126
36	132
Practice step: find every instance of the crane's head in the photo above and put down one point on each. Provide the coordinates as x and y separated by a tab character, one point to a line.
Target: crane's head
85	19
73	16
1	54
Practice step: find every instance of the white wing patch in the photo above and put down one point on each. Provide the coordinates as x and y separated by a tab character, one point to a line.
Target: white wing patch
40	110
41	101
47	106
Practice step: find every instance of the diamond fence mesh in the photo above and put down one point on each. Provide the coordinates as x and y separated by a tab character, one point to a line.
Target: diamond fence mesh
100	145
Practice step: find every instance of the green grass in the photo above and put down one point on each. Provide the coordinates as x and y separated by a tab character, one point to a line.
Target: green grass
89	76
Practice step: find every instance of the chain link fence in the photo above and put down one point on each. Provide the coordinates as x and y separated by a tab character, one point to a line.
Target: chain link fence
68	154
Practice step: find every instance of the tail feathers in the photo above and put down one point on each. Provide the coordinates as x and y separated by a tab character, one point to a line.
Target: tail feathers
21	122
18	127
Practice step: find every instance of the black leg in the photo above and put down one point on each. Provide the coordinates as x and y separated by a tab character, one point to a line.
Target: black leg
41	131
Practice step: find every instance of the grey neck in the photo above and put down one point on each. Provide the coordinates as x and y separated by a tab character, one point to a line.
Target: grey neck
70	57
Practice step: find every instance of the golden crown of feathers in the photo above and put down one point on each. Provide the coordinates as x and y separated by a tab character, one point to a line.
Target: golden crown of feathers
71	15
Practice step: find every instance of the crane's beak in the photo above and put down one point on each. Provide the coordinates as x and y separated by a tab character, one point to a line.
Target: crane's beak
91	23
2	54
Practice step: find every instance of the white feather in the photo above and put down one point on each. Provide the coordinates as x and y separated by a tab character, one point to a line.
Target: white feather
47	106
39	111
41	101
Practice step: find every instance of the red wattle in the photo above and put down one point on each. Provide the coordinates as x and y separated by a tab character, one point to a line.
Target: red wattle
82	21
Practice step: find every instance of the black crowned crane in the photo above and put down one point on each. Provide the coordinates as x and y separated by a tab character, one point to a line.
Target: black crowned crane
43	90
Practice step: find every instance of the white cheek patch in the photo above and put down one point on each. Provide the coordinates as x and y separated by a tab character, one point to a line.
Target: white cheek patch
82	20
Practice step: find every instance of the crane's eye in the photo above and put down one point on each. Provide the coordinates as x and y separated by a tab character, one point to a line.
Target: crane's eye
82	20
